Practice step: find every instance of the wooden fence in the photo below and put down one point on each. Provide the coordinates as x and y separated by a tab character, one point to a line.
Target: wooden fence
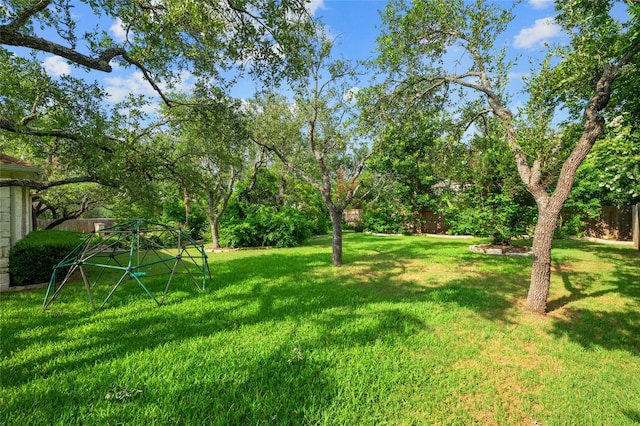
353	217
614	223
80	225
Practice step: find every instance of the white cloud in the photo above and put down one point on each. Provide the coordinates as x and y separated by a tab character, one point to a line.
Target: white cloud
517	76
56	66
119	88
543	30
351	94
118	31
541	4
184	85
313	5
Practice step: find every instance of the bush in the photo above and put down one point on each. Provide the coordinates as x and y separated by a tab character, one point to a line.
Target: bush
500	216
264	226
32	259
570	224
384	219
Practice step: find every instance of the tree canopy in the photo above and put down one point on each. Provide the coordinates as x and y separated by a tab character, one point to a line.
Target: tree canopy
163	38
65	126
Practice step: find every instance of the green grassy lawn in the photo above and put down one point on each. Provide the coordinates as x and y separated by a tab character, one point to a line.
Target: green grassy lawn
412	330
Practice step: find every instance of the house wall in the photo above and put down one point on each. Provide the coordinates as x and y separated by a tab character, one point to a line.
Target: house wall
15	223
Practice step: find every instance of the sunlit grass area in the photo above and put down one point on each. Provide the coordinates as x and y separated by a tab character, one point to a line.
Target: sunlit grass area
412	330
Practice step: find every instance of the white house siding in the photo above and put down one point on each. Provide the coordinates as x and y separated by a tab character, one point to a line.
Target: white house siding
5	236
15	223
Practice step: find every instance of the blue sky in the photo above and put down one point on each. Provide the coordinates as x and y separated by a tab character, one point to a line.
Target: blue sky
356	24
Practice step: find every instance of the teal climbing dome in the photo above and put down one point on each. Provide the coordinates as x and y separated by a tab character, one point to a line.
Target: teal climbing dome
130	251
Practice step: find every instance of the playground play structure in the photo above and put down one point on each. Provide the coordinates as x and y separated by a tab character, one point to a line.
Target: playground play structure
134	250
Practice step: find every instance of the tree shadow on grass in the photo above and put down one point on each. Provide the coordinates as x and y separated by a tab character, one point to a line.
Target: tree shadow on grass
608	330
633	415
614	325
247	291
281	387
258	289
284	288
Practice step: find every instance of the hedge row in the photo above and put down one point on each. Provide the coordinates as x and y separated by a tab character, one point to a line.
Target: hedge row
32	259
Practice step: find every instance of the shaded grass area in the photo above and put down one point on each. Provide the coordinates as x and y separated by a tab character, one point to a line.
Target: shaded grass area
412	330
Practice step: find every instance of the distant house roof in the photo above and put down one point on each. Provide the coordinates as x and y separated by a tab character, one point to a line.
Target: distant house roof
7	160
14	168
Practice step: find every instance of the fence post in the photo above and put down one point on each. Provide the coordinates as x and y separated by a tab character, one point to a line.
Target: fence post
635	225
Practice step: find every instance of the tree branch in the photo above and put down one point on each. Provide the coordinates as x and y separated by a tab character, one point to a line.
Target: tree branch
11	37
530	177
74	214
297	170
594	122
13	128
147	76
353	181
24	16
10	126
260	162
40	186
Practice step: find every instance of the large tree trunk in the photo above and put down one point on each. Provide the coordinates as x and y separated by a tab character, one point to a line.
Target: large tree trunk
548	214
215	232
549	206
336	245
214	220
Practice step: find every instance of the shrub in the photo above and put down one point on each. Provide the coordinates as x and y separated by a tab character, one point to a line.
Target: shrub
385	219
32	259
264	226
238	234
501	216
569	224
